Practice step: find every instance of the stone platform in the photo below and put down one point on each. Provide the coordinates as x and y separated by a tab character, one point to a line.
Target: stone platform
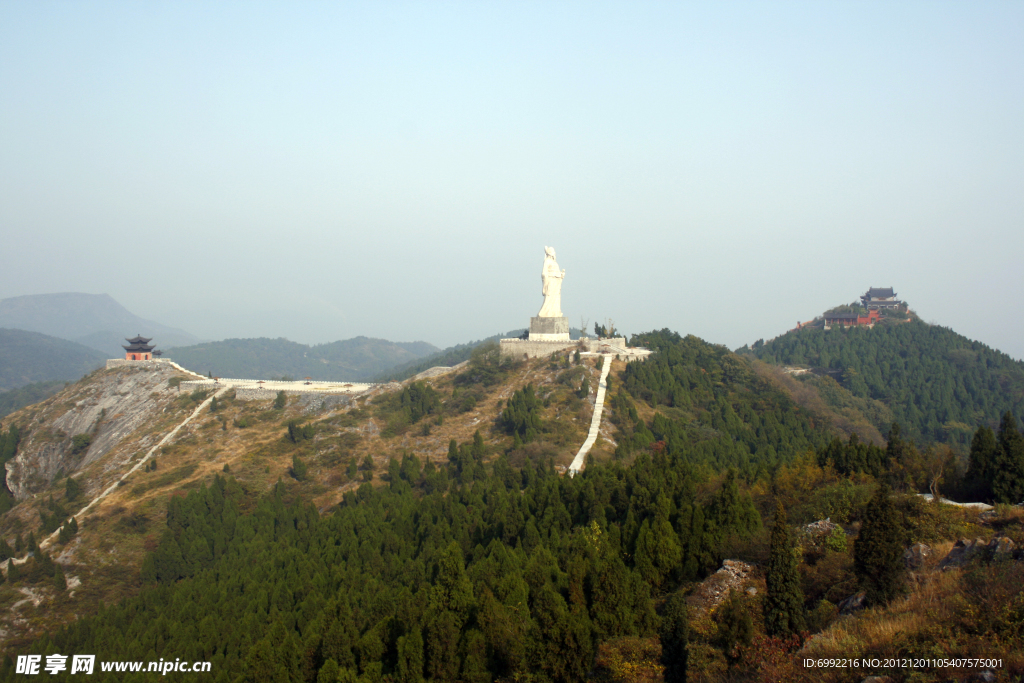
533	348
549	329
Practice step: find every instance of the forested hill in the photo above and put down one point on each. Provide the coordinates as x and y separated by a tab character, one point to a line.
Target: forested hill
711	406
426	533
939	384
29	357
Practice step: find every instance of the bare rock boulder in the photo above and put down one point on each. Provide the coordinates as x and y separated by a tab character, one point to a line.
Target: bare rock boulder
1001	548
963	552
915	555
854	603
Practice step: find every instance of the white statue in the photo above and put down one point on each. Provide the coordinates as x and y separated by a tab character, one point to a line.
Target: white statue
551	280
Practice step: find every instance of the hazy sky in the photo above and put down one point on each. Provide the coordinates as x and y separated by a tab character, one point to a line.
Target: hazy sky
321	171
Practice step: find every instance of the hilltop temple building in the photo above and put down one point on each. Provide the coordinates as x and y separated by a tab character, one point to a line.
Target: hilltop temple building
139	348
877	298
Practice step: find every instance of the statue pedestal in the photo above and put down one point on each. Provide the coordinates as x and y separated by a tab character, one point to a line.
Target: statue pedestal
549	329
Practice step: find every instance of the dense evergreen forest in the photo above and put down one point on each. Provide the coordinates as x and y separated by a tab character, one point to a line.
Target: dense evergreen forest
939	385
513	572
712	409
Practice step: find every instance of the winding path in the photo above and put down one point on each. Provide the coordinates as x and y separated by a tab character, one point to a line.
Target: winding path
595	422
46	542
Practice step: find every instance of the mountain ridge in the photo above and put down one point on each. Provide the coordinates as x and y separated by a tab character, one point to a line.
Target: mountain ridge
94	320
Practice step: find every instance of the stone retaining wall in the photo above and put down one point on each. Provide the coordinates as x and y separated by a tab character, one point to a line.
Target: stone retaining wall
249	390
123	362
529	348
534	348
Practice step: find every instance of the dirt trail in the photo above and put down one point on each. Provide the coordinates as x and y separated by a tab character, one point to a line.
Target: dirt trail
46	542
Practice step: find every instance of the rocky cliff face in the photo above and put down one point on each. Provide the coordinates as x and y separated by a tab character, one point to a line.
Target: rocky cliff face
108	406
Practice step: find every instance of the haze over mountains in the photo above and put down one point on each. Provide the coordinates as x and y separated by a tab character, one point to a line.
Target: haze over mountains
351	359
30	357
60	337
93	320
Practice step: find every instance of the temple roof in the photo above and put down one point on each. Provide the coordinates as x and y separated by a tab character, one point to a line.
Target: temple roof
879	293
138	343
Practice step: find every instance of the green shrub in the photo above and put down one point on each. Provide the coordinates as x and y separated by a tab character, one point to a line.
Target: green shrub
299	468
80	443
841	502
297	432
836	541
72	489
823	614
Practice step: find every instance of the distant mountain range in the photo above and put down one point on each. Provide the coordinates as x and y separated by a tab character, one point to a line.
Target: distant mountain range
93	320
359	358
30	357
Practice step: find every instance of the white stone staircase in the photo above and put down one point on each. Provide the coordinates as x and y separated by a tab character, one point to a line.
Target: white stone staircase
595	423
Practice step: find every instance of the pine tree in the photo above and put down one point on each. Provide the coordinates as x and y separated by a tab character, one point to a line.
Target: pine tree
280	401
72	489
1008	483
878	550
784	602
13	571
59	581
735	625
674	638
328	672
299	468
410	657
982	464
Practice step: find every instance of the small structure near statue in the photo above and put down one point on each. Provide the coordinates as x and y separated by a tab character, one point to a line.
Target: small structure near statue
139	348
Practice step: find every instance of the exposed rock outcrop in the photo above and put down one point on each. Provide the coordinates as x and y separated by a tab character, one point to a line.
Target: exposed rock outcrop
966	550
714	589
915	556
107	406
854	603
